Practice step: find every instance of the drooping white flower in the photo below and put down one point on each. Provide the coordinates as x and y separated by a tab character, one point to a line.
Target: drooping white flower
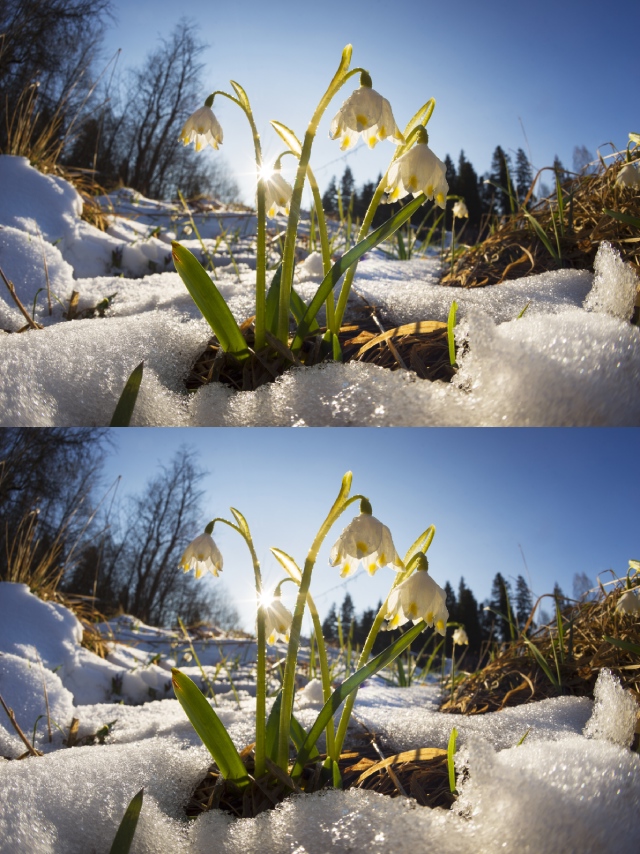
628	176
628	603
202	554
203	128
365	113
460	210
364	539
418	598
460	637
418	171
277	621
277	194
634	565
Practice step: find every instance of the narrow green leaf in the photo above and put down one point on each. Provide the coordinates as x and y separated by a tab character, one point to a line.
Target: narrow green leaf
523	310
451	750
288	564
125	406
242	95
342	692
451	322
421	117
337	776
342	265
299	736
622	644
273	725
336	348
242	523
526	733
210	729
126	831
543	664
402	252
543	237
210	302
402	679
623	217
297	305
421	544
288	137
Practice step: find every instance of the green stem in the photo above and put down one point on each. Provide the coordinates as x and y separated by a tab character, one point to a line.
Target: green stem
324	673
261	666
261	246
366	225
288	257
288	683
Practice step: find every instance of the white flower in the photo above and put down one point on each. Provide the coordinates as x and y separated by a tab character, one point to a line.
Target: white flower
628	176
277	621
418	171
418	598
628	603
365	113
202	127
277	194
364	539
460	210
460	637
634	565
202	554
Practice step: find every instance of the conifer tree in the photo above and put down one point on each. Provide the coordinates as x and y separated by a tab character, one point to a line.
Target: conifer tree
330	197
501	604
524	175
467	187
468	615
523	602
501	177
330	624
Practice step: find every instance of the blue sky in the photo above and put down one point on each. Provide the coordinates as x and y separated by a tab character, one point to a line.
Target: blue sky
564	72
568	498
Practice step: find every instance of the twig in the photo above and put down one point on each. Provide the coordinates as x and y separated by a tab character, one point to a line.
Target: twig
32	323
32	750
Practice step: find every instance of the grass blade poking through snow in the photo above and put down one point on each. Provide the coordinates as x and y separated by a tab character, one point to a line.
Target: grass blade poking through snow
210	729
210	302
124	409
126	831
451	750
451	322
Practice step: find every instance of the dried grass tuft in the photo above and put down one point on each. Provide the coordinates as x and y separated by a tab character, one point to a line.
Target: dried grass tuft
515	677
514	248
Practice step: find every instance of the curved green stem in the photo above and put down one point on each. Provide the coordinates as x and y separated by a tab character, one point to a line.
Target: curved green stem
324	672
288	258
261	245
261	665
288	684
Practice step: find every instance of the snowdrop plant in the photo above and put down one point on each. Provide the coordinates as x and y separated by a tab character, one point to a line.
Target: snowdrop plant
366	114
414	596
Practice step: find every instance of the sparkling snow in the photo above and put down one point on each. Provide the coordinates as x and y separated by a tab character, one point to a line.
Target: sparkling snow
572	359
573	785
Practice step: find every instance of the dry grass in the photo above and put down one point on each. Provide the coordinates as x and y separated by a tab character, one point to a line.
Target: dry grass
419	774
514	676
418	347
514	248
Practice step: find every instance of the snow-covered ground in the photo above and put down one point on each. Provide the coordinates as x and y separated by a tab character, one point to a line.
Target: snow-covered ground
572	359
573	785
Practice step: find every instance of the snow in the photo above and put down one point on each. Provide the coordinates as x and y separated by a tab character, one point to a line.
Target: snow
572	359
573	785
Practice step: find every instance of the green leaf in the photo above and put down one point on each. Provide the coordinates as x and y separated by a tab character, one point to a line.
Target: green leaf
541	234
299	736
626	645
242	523
421	544
297	304
210	302
451	322
125	406
623	217
342	265
273	725
342	692
336	348
288	137
242	95
543	664
421	117
210	729
451	750
124	836
288	564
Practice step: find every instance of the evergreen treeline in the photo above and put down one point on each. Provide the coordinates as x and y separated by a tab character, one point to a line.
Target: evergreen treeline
495	193
504	615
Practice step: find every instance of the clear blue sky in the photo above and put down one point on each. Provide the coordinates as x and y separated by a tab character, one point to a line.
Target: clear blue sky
565	71
568	497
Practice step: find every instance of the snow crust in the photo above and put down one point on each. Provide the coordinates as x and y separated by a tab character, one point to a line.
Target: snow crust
573	358
572	785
